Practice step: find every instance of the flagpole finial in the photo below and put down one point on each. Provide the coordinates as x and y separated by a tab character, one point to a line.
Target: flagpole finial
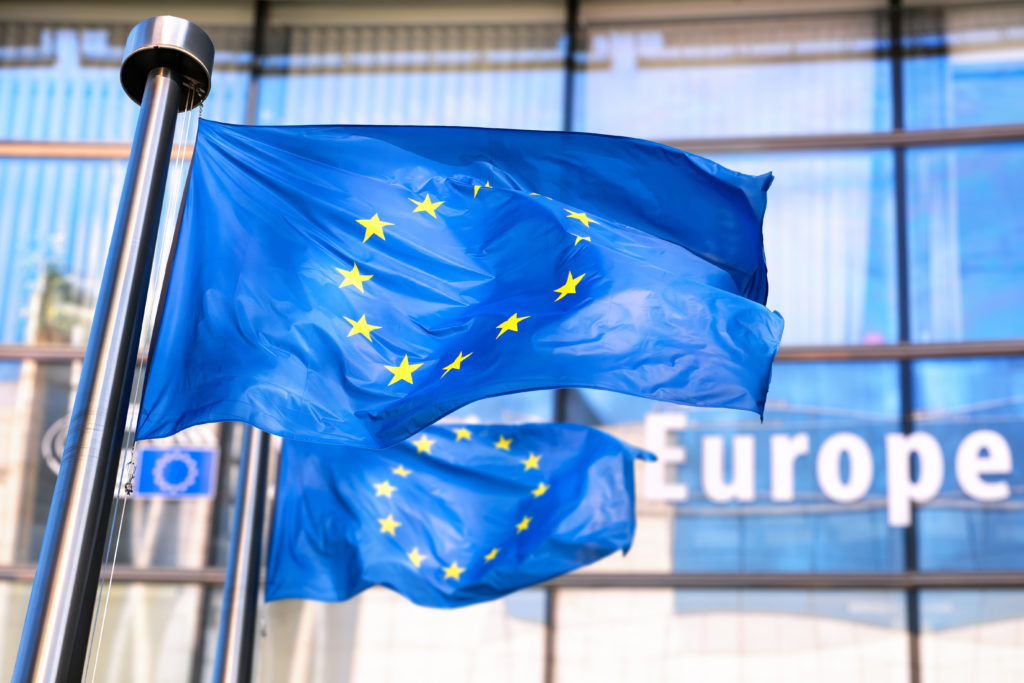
172	42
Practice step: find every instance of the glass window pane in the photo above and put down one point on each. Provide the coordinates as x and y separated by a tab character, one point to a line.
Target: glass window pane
972	635
975	411
803	492
380	637
35	402
56	218
14	598
822	510
966	252
149	633
736	636
55	223
61	81
659	78
475	70
964	66
829	242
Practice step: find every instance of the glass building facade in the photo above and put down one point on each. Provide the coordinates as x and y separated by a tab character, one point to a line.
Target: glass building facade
870	529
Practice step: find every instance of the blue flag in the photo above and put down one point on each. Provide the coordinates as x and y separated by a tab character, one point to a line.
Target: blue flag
356	283
462	514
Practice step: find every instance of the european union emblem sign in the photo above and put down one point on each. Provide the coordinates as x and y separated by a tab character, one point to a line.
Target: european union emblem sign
354	284
176	472
460	514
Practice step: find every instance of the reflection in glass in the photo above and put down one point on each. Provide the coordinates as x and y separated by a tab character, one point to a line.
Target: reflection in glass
975	522
380	636
808	513
35	401
53	247
972	635
466	74
56	218
725	635
973	389
662	79
829	242
806	502
966	252
60	82
839	394
148	633
964	65
13	606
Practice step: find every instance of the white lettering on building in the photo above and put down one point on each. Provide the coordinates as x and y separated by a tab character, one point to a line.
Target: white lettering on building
843	464
786	448
712	469
861	467
904	488
659	436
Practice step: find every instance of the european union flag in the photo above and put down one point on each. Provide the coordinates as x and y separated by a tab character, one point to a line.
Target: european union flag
356	283
464	513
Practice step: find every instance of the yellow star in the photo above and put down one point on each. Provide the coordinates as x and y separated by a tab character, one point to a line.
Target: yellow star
362	327
581	217
503	442
374	226
476	188
570	285
426	205
491	555
523	525
384	489
457	363
541	489
580	238
462	433
531	463
424	444
388	525
353	277
511	324
416	558
454	571
401	471
403	371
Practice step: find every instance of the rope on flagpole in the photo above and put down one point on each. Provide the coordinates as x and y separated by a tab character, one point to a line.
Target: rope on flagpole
126	483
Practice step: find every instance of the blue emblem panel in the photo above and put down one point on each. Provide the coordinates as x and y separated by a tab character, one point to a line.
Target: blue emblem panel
176	472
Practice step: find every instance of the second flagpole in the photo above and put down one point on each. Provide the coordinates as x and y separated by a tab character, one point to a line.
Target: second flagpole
236	637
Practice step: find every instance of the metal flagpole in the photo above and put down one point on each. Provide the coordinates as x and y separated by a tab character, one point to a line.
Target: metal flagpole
236	636
164	57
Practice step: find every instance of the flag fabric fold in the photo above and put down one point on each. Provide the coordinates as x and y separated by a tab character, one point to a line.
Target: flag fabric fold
353	284
461	514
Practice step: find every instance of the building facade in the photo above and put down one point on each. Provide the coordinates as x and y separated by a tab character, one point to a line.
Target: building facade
868	530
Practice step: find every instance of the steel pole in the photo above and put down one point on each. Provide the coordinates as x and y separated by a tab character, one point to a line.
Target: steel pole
236	637
163	56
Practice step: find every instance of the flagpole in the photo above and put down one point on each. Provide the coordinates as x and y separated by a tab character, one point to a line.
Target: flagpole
234	659
165	57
